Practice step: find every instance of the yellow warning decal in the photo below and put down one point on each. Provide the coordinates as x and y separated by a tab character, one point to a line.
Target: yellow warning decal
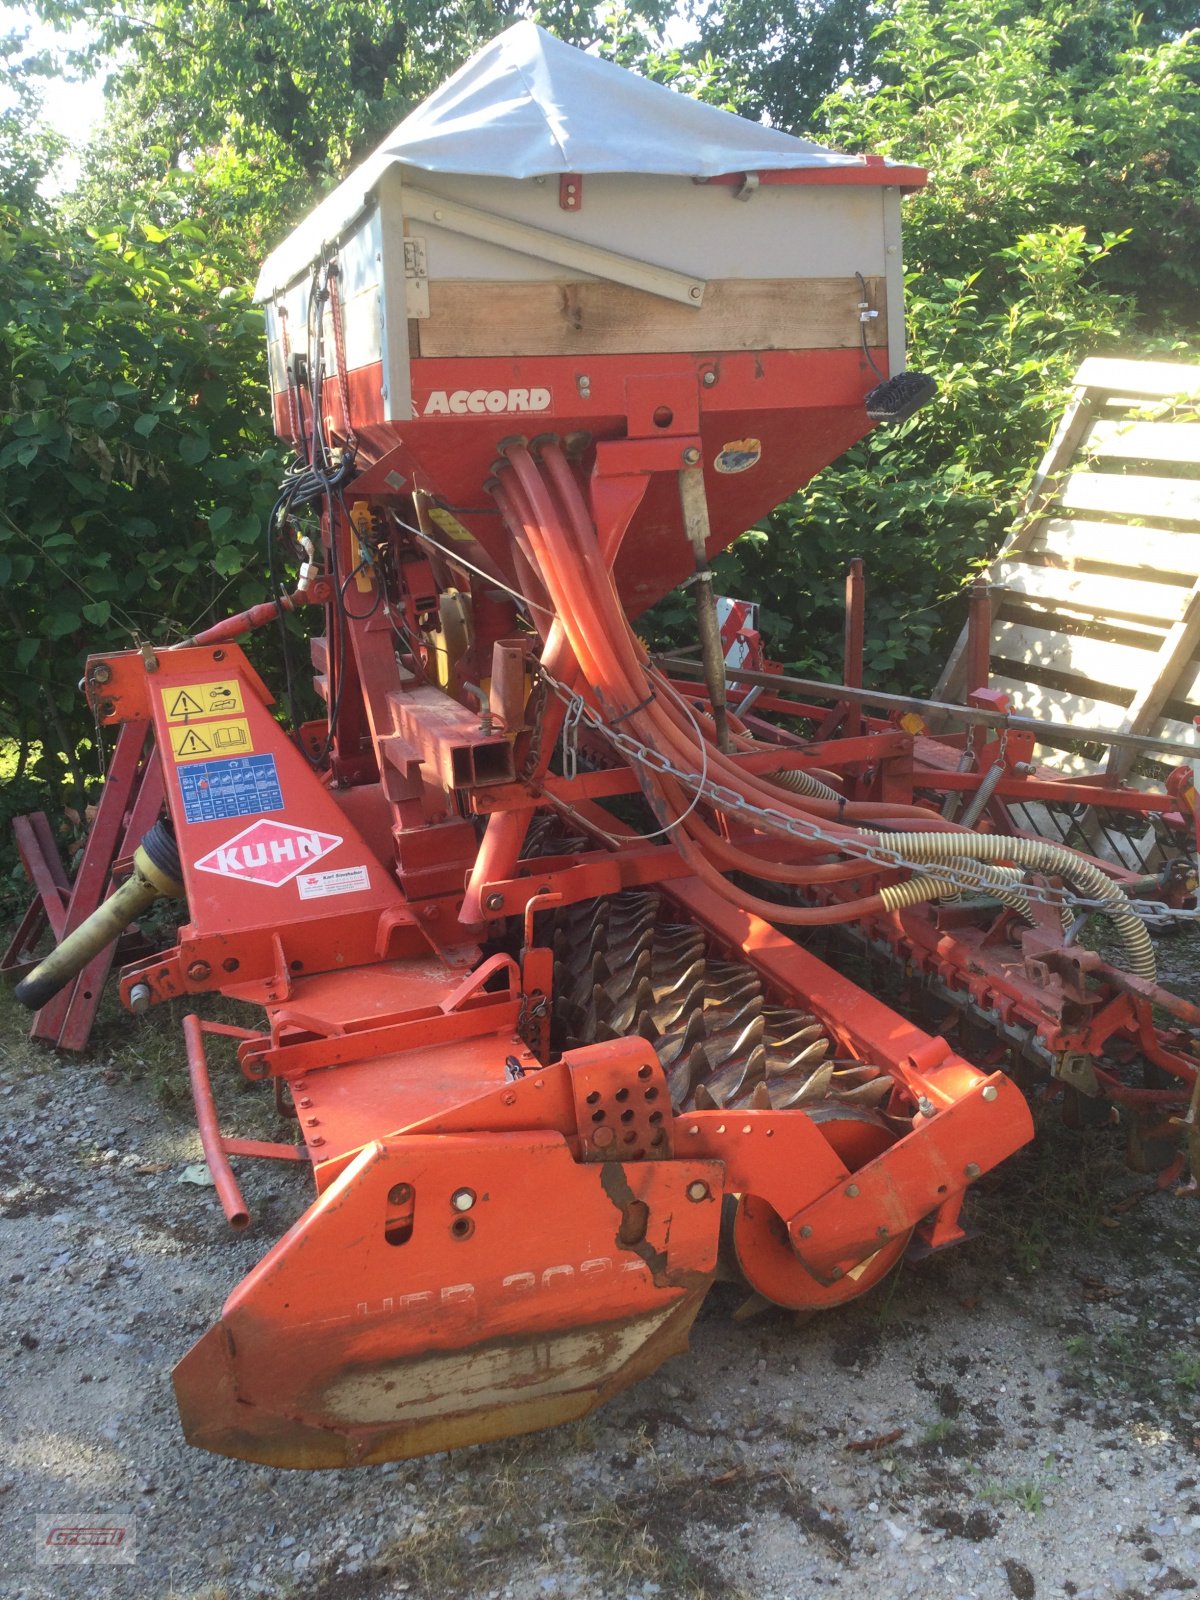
187	701
208	741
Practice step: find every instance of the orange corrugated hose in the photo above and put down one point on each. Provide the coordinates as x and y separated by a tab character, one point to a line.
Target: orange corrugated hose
551	523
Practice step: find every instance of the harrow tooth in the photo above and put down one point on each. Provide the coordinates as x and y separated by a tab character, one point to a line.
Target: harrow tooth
721	1042
783	1041
684	1078
637	999
740	1042
814	1088
871	1093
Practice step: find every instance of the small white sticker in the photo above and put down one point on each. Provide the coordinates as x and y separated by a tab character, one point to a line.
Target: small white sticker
342	880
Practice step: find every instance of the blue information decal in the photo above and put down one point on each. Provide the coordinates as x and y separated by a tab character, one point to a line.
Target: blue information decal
240	786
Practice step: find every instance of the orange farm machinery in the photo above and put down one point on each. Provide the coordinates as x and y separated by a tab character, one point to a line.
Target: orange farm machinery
527	911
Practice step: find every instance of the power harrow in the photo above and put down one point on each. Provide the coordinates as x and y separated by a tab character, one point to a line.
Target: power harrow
527	913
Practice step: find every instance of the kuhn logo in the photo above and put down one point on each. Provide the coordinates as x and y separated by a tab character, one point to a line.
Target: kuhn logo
270	853
482	402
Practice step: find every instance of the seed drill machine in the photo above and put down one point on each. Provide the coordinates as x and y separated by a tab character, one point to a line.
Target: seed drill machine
527	914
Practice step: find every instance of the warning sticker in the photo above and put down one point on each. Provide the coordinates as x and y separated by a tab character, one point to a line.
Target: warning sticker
342	880
216	790
202	741
187	701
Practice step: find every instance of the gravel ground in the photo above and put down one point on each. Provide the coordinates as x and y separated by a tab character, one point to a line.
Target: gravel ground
1016	1417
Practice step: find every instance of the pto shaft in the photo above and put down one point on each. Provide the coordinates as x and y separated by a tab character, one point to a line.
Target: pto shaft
155	872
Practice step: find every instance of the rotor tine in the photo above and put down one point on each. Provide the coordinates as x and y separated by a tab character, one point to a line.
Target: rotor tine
814	1088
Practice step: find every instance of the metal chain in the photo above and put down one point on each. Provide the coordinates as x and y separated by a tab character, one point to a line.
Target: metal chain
877	855
536	714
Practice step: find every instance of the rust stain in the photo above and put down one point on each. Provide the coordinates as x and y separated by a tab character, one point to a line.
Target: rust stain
617	1187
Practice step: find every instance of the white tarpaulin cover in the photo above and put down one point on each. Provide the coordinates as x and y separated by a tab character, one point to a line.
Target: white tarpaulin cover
527	105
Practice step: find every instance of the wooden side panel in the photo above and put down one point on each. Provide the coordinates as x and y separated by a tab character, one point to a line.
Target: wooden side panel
589	317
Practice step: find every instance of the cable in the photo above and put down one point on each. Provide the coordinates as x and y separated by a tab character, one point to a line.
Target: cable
461	561
862	324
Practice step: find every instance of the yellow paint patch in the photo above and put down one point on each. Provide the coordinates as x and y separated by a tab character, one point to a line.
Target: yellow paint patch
449	524
185	702
209	741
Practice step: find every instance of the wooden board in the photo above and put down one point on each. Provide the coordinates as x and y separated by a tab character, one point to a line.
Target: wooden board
1132	495
1153	553
1103	665
589	317
1083	712
1125	598
1146	441
1160	379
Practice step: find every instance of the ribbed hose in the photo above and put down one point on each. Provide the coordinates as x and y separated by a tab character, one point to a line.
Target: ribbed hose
564	549
1003	884
897	896
803	783
1088	880
1000	883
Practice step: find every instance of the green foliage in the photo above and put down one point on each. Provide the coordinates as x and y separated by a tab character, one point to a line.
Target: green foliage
1060	221
136	468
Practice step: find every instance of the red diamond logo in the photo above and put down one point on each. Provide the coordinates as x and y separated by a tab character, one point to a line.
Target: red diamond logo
270	853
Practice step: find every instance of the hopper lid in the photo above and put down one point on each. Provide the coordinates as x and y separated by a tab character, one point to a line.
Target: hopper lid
527	105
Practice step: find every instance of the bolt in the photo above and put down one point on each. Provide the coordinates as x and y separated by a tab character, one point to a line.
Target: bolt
139	999
881	1233
806	1232
494	902
694	293
925	1106
462	1199
102	672
691	456
603	1137
304	1104
198	971
972	1169
709	378
698	1191
218	655
837	1273
312	1122
230	964
510	1099
989	1092
316	1139
851	1191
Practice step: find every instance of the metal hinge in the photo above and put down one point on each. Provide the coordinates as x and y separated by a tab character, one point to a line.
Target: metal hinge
416	279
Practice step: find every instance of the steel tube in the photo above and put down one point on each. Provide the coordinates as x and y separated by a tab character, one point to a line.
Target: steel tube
228	1191
944	708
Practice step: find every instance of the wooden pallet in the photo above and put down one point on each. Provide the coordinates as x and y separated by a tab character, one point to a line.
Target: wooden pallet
1096	596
